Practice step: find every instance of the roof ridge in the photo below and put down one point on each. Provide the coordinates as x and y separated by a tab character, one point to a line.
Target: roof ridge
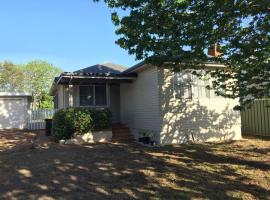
103	68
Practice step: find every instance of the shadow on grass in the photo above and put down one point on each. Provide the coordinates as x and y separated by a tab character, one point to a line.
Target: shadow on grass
128	171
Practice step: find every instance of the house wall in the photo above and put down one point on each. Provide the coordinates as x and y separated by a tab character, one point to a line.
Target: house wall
206	119
115	102
139	103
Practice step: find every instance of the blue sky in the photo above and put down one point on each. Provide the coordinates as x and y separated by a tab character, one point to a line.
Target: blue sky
67	33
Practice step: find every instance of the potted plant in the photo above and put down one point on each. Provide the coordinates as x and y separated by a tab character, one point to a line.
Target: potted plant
145	136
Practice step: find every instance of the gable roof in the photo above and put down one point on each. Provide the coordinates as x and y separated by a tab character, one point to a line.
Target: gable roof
106	68
135	67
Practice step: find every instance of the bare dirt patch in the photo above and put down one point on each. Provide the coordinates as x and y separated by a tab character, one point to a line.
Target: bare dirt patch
237	170
15	140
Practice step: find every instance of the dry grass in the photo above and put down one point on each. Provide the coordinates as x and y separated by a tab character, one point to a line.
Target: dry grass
238	170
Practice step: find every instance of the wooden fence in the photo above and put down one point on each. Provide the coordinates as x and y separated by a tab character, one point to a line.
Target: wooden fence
256	118
37	116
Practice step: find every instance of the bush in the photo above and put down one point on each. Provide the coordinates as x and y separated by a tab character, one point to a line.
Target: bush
67	122
102	119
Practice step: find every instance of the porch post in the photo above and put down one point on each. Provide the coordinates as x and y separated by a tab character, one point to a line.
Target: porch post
70	96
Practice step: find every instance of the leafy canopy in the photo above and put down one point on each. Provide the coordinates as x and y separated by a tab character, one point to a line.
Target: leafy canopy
181	31
34	77
11	77
39	76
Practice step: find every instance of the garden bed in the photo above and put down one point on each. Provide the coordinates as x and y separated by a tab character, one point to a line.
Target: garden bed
90	137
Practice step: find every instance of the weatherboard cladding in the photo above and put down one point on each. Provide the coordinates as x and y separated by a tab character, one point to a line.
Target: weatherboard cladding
139	102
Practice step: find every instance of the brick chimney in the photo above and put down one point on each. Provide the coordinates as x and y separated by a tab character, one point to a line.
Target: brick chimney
214	51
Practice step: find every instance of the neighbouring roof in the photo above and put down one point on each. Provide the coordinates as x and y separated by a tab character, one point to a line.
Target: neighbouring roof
14	94
106	68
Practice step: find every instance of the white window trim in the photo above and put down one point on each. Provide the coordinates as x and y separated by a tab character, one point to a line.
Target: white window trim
192	88
174	90
94	97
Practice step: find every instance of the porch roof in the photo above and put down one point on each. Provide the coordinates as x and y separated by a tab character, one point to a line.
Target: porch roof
81	78
68	78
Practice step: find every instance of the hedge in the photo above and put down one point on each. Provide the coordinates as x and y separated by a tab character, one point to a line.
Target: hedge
67	122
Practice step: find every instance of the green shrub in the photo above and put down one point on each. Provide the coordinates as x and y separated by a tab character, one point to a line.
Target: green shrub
66	122
102	119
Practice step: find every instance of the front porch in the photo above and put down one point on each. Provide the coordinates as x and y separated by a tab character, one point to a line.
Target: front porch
93	91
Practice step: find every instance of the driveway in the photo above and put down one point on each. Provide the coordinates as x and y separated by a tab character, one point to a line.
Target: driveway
46	170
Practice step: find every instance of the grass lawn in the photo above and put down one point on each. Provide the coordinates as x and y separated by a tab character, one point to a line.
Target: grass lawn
238	170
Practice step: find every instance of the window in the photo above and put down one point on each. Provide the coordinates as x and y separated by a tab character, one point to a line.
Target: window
182	85
199	86
188	86
93	95
87	95
100	95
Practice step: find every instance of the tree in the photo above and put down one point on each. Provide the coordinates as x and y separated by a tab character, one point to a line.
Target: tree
172	32
11	77
39	76
35	77
46	101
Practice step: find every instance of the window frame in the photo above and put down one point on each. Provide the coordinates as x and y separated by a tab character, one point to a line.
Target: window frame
94	96
196	84
193	85
189	85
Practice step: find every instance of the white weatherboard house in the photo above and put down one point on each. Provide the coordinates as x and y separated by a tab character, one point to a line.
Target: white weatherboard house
14	110
173	106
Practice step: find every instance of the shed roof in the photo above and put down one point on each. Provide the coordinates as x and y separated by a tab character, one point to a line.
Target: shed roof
14	94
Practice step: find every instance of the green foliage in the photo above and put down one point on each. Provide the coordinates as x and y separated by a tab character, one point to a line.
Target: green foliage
35	77
11	77
46	101
67	122
102	119
63	127
147	133
174	32
39	76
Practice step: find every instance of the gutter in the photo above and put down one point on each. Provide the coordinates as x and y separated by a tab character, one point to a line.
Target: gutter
72	76
97	77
